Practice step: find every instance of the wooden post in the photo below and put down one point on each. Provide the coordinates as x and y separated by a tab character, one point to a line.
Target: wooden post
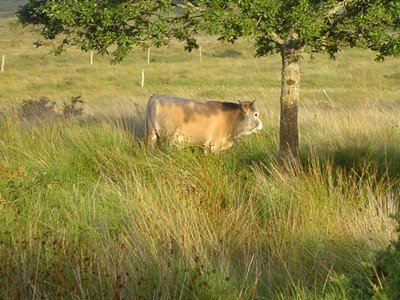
201	59
142	84
91	57
3	59
148	55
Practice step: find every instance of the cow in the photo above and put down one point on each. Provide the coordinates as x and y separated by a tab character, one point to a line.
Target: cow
212	125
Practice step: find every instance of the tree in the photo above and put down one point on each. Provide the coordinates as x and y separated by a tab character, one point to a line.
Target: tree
286	27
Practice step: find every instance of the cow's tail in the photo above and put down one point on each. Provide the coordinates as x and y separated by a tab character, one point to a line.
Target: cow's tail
150	126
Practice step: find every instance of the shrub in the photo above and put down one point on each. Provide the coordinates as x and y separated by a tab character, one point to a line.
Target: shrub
388	267
381	278
72	109
44	109
40	109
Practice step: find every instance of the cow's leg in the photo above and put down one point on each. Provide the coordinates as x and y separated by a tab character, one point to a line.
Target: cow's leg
226	145
210	147
151	134
152	139
179	140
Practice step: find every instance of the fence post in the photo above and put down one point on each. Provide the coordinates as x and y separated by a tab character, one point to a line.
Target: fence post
91	57
142	84
3	60
148	55
200	57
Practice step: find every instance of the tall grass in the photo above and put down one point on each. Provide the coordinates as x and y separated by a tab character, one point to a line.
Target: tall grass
87	211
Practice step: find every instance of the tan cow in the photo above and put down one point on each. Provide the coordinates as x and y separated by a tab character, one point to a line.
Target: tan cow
212	125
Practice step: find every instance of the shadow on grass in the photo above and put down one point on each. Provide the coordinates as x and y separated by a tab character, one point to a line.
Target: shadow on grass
228	53
131	120
133	125
259	158
395	75
385	161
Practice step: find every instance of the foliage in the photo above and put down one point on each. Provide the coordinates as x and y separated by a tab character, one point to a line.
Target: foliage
388	269
380	278
42	109
321	25
72	109
97	25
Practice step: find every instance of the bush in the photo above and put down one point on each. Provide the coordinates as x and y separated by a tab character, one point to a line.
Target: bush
72	109
381	276
44	109
388	269
40	109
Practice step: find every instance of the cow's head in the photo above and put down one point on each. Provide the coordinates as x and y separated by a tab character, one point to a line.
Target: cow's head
249	121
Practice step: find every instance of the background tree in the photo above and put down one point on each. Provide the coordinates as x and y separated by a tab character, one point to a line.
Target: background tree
286	27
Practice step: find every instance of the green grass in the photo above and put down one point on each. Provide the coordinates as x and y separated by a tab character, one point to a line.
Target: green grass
87	211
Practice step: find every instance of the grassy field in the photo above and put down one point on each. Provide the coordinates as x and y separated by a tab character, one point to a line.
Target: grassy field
86	211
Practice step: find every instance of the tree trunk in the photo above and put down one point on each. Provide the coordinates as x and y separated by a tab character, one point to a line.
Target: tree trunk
289	132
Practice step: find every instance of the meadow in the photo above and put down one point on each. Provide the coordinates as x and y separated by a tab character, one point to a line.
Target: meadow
87	211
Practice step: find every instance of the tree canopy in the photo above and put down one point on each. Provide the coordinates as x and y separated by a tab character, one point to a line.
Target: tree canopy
108	26
324	25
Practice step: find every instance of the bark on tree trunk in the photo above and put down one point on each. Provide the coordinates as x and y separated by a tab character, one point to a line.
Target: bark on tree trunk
289	132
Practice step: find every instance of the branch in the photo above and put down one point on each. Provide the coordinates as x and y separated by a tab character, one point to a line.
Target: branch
188	5
340	7
276	38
